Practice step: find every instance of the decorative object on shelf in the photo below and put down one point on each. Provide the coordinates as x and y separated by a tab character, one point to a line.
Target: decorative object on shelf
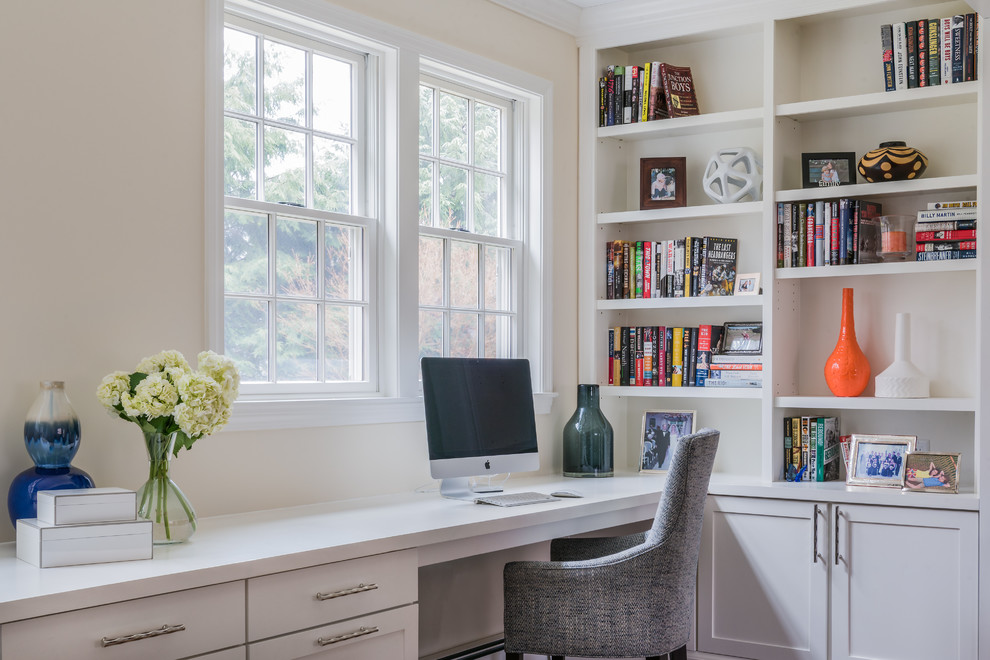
741	339
747	284
661	431
896	238
879	460
733	175
931	472
588	443
51	436
892	161
174	406
662	182
824	169
847	371
902	380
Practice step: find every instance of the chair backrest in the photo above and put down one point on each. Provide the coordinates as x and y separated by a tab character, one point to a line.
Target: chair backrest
682	505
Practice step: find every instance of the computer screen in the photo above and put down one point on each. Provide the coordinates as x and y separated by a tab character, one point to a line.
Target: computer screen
479	419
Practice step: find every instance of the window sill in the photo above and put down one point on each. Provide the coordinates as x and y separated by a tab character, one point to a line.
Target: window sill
270	414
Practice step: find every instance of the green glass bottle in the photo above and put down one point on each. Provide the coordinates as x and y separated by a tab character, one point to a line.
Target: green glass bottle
588	438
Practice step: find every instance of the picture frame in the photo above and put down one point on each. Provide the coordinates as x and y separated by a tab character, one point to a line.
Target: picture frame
747	284
662	182
879	460
741	339
824	169
661	431
931	472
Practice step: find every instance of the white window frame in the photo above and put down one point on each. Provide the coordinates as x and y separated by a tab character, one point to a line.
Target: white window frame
401	56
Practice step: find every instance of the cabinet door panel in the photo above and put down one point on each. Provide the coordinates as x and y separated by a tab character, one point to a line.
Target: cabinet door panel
761	590
905	584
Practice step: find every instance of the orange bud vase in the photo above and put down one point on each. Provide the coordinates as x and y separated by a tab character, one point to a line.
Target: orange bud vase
847	371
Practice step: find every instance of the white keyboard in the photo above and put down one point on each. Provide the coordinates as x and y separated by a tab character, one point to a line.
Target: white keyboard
515	499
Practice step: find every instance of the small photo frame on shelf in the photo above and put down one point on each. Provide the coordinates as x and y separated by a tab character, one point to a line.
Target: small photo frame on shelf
820	170
747	284
741	339
663	182
931	472
662	429
879	460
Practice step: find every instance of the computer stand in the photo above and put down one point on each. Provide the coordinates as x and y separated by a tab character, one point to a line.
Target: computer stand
459	488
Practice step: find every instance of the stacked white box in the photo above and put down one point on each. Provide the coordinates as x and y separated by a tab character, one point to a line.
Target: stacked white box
84	526
86	505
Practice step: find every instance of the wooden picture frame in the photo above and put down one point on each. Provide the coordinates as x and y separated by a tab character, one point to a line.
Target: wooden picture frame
931	472
662	182
825	169
741	339
661	431
747	284
879	460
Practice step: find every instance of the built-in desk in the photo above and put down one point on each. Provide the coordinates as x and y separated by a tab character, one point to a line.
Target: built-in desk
417	529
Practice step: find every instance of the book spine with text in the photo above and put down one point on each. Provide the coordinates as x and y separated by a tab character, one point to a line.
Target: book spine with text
934	52
887	50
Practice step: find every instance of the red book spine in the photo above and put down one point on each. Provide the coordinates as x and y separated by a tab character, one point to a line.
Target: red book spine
948	235
810	235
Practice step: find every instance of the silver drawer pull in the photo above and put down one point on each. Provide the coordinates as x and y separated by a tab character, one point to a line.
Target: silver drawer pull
360	632
361	588
164	630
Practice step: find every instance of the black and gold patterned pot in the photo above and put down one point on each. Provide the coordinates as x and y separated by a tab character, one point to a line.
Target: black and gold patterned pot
892	161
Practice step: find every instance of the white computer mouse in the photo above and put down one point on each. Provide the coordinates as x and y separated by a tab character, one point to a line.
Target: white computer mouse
566	493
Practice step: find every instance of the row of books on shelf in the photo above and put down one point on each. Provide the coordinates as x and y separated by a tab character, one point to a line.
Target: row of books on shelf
664	356
676	268
946	233
827	232
812	448
930	51
654	90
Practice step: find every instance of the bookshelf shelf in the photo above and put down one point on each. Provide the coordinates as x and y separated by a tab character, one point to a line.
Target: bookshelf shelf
713	211
682	392
730	120
950	404
880	102
682	303
936	185
857	270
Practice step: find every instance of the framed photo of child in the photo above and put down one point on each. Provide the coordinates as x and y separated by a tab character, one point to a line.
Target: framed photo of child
662	429
663	182
931	472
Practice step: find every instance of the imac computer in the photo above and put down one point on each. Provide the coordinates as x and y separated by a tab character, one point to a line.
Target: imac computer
479	420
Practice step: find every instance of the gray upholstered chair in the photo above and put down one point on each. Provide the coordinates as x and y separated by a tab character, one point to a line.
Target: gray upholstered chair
623	597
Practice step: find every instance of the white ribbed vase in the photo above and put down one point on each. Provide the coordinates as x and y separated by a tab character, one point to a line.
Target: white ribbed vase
902	380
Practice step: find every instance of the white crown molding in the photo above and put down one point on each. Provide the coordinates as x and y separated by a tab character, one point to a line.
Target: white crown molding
558	14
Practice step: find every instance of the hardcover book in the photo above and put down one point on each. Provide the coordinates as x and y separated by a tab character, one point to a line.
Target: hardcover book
887	50
717	276
678	90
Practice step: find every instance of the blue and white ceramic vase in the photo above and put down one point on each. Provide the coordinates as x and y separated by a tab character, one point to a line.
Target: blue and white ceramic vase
51	436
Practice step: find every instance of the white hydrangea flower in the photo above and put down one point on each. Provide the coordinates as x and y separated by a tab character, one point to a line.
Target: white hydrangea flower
221	369
202	407
112	387
162	361
154	397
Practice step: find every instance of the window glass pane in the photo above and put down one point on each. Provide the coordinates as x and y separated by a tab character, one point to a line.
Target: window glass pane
430	271
487	136
295	260
463	335
239	157
285	83
331	175
344	333
487	200
344	259
240	68
453	127
331	95
296	341
453	197
285	166
497	336
430	334
425	120
463	274
245	252
245	337
498	276
426	193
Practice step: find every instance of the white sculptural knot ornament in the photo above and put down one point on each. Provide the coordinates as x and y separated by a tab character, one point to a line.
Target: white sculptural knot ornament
733	175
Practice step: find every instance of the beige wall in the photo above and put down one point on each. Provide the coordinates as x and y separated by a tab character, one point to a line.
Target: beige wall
101	253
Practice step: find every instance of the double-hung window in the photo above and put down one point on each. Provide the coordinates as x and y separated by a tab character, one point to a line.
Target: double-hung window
299	228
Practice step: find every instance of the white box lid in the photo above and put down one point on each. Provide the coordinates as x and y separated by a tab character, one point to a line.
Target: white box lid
85	496
64	532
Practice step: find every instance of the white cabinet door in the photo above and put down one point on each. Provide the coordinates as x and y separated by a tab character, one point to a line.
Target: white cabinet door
762	579
904	583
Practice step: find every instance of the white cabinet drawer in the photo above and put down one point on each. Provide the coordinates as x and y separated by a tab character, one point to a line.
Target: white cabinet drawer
391	635
212	618
294	600
236	653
